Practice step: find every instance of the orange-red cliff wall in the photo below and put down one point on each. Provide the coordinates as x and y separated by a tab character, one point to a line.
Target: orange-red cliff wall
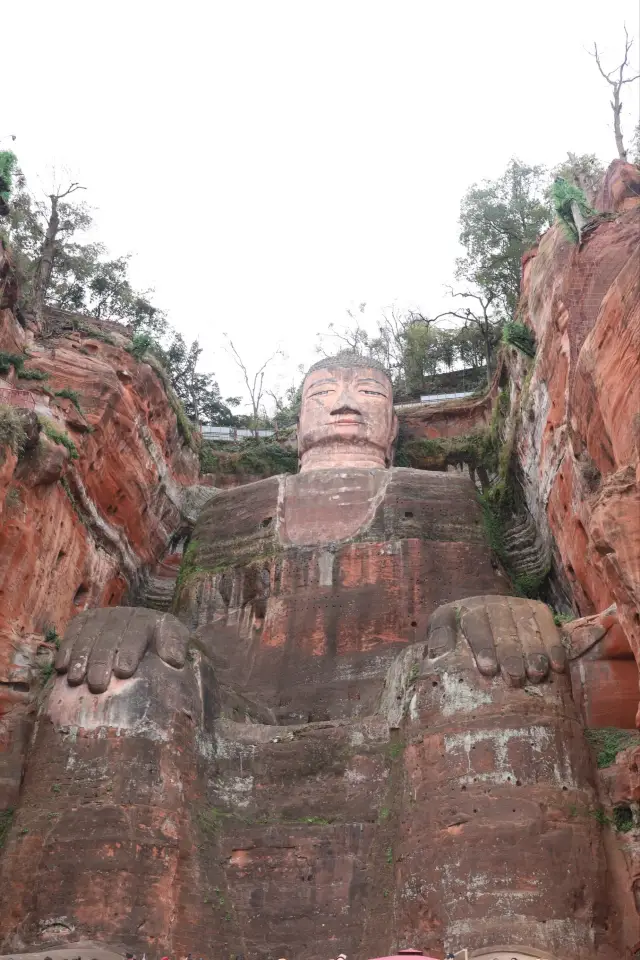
78	533
579	437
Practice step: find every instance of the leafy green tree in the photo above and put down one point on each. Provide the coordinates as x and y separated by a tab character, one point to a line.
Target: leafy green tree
584	171
198	392
501	219
57	269
7	166
571	207
287	407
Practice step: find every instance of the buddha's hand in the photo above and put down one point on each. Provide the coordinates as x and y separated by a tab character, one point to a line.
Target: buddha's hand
507	635
113	641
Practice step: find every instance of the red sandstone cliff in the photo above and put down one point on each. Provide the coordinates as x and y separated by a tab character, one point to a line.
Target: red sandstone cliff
77	533
578	439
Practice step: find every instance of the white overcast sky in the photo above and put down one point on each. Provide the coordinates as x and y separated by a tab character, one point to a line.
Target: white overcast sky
272	162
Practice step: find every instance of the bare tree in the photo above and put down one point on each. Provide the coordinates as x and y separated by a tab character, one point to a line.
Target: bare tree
481	316
255	384
47	252
616	80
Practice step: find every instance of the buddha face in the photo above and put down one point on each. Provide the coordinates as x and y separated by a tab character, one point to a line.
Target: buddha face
346	418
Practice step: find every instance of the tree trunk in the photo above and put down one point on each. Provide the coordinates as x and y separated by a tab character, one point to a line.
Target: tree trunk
45	264
616	106
487	351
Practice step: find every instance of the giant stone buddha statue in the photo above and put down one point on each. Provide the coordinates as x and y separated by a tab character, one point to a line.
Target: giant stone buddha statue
347	736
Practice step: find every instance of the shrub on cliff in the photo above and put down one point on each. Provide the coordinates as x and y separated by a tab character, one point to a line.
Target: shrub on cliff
12	432
518	335
53	432
260	458
7	166
72	395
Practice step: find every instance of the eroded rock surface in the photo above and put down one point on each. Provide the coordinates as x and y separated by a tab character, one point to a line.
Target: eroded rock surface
79	533
579	436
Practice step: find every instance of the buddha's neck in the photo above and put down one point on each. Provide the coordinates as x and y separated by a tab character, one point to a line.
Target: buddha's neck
340	456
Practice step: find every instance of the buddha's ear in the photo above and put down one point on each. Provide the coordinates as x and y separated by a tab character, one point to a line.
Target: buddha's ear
392	440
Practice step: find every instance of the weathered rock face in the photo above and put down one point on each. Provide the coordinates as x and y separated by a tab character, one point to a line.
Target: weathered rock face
579	438
79	533
313	776
452	418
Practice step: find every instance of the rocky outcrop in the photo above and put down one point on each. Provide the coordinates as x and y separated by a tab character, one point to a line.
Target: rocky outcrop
451	418
578	439
90	504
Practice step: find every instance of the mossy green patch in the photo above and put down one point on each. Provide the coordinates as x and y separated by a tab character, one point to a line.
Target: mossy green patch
608	742
53	432
6	819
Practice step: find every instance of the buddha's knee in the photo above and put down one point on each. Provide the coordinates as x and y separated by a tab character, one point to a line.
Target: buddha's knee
102	810
498	782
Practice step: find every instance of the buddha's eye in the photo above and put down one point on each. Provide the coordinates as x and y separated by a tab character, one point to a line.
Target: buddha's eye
373	393
320	393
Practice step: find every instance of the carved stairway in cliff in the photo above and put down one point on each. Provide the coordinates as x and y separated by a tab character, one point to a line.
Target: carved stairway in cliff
527	555
157	592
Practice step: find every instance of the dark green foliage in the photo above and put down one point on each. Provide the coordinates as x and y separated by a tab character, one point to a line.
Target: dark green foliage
51	635
33	374
6	819
12	433
8	360
584	171
7	166
16	360
520	336
83	277
261	457
475	449
563	194
198	392
46	672
560	618
52	431
501	219
94	332
623	819
609	741
141	344
73	395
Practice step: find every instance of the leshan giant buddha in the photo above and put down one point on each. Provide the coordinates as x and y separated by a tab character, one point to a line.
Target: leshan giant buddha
330	746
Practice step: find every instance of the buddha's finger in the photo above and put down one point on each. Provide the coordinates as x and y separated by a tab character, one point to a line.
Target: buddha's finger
134	642
171	640
441	635
507	641
84	645
550	636
105	648
476	628
533	650
73	631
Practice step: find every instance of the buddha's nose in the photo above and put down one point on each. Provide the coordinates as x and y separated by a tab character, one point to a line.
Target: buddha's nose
345	406
346	402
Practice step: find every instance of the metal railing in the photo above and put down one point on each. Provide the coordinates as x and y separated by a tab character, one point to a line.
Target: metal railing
17	398
232	433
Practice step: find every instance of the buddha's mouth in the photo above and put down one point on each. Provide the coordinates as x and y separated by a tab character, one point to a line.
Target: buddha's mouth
345	421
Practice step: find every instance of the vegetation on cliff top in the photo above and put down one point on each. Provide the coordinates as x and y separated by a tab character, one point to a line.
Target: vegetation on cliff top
261	458
608	742
12	433
51	430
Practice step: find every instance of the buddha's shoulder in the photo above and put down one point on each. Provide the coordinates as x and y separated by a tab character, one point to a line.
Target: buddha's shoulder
429	484
233	510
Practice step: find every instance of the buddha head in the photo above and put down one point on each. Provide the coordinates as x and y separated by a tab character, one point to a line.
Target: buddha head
347	416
